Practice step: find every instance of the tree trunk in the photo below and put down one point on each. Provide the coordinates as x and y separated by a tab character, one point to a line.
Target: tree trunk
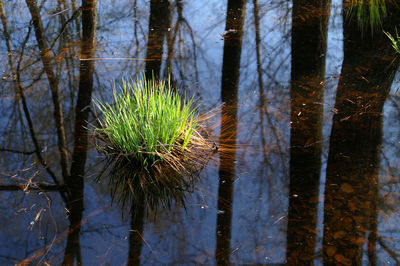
352	173
309	41
158	27
235	16
75	182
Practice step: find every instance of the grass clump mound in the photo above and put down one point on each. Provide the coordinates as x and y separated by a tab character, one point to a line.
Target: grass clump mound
150	136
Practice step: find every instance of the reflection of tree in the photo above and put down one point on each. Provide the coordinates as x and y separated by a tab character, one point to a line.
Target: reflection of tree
72	192
309	40
48	65
158	27
350	207
162	27
75	182
136	233
235	15
19	89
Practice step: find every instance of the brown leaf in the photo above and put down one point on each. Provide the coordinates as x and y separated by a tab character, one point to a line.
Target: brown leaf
339	234
347	188
330	251
340	258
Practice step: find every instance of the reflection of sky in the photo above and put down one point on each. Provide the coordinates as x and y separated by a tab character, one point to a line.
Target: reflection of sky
260	196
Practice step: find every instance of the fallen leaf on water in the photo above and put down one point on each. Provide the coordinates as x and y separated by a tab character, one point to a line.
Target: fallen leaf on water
352	206
340	258
347	188
330	251
339	234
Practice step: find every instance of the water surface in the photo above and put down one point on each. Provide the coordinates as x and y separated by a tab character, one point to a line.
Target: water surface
311	113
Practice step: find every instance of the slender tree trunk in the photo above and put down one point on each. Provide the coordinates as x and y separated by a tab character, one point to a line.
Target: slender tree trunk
136	233
309	41
373	221
20	90
75	182
235	17
158	28
47	59
135	34
171	41
77	23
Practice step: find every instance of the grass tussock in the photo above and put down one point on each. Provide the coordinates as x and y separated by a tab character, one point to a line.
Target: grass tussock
369	13
152	142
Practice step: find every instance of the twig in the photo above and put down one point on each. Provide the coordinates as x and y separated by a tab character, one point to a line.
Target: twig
74	15
16	151
392	254
20	89
42	187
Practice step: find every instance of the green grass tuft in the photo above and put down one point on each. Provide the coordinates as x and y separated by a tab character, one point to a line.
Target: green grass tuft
369	13
150	136
147	120
395	41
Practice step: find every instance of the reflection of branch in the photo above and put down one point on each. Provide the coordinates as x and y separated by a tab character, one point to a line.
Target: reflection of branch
169	71
53	83
172	38
392	254
136	55
16	151
19	88
41	187
60	237
12	260
263	106
194	50
64	26
78	25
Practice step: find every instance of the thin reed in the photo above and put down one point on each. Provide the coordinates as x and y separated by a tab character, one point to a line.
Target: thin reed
395	41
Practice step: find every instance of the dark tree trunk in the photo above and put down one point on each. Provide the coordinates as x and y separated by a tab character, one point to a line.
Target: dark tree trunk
352	173
309	40
158	28
136	233
235	16
75	182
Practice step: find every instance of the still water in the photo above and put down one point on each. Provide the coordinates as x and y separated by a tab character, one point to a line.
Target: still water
311	116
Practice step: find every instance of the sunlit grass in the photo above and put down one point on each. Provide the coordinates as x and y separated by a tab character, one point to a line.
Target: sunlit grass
369	13
150	137
395	41
147	120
